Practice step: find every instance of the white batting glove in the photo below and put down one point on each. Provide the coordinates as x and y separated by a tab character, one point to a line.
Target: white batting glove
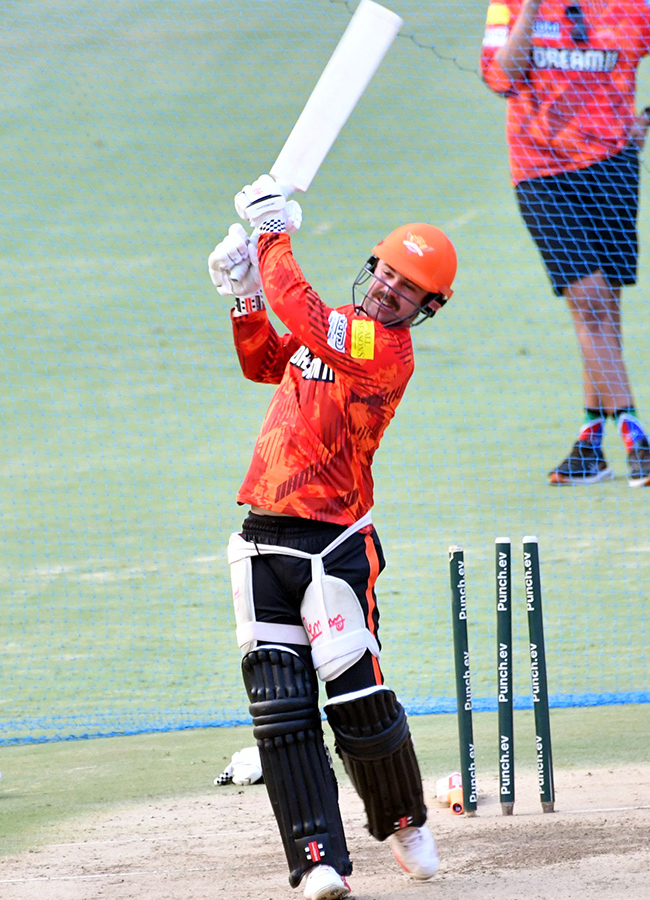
232	267
293	213
245	768
265	206
232	287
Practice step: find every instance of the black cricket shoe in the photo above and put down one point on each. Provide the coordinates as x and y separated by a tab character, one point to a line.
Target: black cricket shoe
584	465
638	464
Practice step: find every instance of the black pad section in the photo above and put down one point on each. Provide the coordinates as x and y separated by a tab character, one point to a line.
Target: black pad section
297	770
374	742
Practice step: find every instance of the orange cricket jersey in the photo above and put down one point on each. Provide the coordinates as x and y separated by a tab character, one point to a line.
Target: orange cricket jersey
341	377
576	104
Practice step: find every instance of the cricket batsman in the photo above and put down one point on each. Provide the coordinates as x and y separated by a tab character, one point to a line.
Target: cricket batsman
305	563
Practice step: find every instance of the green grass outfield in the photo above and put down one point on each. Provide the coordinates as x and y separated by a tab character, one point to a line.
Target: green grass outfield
46	789
127	428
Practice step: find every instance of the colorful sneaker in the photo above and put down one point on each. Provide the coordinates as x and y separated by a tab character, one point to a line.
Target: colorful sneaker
638	464
415	851
584	465
325	883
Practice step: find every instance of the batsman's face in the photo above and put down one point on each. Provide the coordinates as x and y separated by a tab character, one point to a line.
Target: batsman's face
391	298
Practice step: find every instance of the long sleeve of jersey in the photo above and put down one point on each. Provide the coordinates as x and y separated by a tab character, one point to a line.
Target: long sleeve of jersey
575	106
263	354
342	378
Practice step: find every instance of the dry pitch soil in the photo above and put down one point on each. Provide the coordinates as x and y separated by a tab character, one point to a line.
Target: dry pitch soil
596	846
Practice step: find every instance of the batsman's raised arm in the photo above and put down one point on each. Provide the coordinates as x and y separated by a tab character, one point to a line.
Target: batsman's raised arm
405	280
234	271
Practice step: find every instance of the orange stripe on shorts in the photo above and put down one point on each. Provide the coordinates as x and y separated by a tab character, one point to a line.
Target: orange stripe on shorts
373	560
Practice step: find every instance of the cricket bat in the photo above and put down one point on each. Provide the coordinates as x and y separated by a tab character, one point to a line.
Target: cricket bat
355	60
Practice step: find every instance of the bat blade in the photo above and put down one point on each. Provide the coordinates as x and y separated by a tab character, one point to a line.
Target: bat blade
355	60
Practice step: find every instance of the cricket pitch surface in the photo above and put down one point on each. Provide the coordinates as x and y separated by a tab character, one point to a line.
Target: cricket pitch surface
225	845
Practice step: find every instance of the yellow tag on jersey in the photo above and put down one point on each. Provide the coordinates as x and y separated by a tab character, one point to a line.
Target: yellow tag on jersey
363	339
498	14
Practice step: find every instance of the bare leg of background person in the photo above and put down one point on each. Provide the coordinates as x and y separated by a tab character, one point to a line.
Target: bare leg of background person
596	313
595	309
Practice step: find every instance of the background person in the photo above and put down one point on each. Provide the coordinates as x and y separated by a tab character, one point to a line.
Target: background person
568	71
305	564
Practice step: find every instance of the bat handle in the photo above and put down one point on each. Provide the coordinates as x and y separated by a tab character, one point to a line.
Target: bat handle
286	189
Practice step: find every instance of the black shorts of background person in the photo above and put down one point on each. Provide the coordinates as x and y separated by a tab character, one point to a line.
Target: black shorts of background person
584	223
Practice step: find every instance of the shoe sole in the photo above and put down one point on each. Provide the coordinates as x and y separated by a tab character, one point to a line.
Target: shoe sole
333	893
412	874
639	482
414	877
558	478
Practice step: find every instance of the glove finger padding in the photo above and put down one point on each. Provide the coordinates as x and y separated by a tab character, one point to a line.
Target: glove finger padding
223	284
293	212
219	278
261	201
246	283
239	271
242	200
233	249
237	244
231	268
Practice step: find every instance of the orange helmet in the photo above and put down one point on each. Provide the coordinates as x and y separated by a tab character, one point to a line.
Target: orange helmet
423	254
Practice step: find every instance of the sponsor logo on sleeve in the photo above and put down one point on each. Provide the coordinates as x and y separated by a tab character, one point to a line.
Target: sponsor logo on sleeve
496	37
544	28
363	339
338	326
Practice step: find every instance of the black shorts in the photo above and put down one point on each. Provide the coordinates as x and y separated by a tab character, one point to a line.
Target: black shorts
279	582
585	220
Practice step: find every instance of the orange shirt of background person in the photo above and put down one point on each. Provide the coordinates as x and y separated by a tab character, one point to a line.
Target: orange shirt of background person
575	106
